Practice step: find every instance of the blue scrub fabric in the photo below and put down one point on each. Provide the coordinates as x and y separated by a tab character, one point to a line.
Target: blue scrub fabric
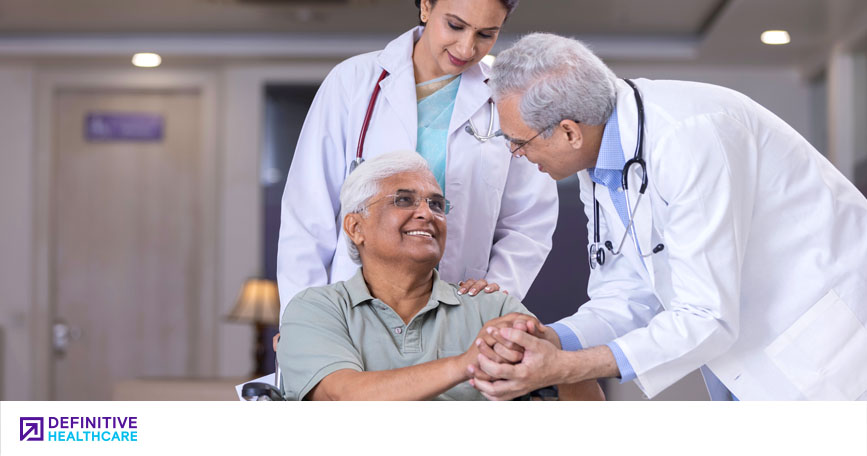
434	116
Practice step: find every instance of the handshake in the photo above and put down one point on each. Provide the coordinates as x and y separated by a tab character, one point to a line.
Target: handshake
514	355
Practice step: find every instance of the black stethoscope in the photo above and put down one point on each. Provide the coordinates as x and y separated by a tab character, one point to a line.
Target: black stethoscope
596	254
471	129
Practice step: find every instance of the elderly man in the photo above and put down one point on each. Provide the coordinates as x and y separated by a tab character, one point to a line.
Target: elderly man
719	238
394	330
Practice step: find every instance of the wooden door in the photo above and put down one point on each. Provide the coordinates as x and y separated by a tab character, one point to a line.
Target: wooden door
127	214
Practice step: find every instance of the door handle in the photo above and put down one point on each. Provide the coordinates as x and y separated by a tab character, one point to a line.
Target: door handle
62	335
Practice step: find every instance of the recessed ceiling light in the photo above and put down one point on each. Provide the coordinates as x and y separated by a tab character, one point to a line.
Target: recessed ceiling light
488	59
775	37
146	60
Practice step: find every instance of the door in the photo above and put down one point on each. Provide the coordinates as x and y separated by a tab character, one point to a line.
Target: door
127	214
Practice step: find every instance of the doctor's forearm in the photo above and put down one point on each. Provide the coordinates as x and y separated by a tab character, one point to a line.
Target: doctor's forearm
591	363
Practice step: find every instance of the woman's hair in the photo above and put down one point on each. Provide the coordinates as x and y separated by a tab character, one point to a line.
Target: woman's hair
510	6
363	184
559	78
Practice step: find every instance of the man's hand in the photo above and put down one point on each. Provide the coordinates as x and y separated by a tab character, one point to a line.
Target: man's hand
486	341
534	328
537	368
498	349
470	358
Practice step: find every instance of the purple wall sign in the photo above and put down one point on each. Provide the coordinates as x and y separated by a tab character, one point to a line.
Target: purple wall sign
120	126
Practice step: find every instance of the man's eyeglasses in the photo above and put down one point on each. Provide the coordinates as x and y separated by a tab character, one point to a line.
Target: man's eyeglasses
515	145
437	204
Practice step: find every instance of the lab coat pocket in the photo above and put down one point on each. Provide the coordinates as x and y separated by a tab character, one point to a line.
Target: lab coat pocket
823	352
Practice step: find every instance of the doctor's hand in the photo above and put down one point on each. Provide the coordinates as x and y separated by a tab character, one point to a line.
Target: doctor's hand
470	358
537	368
512	352
473	286
488	338
500	350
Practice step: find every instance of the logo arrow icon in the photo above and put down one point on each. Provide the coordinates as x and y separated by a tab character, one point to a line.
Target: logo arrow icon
31	428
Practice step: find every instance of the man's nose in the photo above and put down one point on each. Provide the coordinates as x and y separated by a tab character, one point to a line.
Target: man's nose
422	210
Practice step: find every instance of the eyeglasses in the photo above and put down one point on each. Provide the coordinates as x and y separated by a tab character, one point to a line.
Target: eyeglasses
437	204
515	145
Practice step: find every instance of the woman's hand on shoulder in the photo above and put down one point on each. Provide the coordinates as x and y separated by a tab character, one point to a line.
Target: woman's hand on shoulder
474	286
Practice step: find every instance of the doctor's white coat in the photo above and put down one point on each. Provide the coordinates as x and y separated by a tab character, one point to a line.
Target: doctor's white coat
504	212
763	277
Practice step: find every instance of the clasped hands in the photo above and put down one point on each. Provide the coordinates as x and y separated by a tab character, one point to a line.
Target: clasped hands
511	356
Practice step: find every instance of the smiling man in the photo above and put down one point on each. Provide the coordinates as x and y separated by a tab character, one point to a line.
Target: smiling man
394	331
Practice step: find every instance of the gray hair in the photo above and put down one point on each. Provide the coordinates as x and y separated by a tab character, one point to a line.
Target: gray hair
363	184
558	78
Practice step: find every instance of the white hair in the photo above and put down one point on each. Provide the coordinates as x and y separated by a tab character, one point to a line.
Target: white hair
363	184
557	78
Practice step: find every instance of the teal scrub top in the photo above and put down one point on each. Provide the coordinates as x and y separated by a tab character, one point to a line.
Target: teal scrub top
434	116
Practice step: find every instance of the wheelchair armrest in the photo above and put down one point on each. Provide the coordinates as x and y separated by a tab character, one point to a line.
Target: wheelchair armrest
258	391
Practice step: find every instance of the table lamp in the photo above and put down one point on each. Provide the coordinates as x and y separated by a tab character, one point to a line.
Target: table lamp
258	303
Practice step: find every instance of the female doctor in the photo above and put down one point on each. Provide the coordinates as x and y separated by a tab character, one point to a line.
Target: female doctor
426	91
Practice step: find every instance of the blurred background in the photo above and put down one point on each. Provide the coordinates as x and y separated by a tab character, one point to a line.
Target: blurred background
136	202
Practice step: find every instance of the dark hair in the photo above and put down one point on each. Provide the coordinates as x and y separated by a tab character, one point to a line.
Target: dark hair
510	6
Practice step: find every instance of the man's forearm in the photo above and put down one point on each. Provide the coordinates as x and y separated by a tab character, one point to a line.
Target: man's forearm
419	382
587	364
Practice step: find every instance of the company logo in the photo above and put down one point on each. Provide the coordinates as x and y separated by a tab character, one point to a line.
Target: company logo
79	429
31	428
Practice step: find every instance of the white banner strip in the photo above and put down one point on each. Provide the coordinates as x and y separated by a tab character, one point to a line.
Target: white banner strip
410	428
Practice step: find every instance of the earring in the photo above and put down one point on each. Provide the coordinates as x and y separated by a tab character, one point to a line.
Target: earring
423	17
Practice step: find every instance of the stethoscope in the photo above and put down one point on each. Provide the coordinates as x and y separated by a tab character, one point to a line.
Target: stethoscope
471	128
596	254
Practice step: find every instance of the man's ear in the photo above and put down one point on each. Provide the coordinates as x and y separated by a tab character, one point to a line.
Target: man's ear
352	228
574	135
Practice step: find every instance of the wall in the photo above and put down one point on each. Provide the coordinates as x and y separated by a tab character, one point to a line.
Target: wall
16	239
781	90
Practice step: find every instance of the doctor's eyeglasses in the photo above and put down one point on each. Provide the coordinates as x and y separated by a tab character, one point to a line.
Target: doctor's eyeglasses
408	200
515	145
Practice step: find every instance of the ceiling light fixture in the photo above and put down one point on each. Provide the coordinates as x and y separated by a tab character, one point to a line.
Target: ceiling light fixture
146	60
775	37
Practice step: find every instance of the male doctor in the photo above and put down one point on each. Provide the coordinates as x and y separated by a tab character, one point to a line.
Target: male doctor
746	256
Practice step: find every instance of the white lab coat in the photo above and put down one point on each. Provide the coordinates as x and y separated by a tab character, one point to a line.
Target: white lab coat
504	212
763	278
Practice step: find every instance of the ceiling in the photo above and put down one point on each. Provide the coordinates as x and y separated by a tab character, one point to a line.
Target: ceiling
711	31
677	17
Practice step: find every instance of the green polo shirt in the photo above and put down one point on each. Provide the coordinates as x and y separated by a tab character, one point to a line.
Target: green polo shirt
341	326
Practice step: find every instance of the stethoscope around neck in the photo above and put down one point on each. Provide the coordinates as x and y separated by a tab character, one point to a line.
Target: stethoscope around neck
596	254
359	153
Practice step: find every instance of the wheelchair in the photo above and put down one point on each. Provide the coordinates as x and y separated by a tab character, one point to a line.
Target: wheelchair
262	391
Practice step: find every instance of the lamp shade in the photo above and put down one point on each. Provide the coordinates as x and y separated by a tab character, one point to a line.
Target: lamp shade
258	302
